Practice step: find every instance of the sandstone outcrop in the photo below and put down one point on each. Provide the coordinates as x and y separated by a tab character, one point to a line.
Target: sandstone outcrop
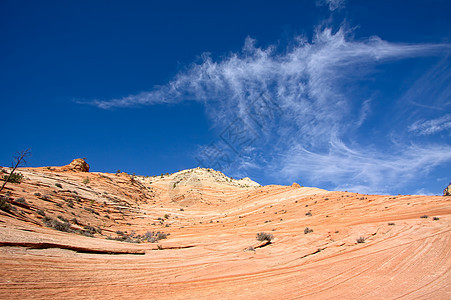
193	235
79	165
447	190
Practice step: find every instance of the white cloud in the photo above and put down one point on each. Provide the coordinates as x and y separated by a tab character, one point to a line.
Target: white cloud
306	82
333	4
363	170
431	126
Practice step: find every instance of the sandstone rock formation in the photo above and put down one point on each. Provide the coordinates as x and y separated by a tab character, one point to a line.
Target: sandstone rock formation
447	190
295	185
62	238
79	164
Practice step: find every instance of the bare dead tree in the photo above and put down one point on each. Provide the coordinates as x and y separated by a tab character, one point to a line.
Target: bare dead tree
19	159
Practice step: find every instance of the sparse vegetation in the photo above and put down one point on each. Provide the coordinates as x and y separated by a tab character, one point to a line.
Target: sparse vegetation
63	219
149	236
250	248
12	177
45	197
264	236
360	240
55	224
391	224
307	230
69	203
91	229
435	218
58	185
86	180
40	212
90	210
424	216
21	200
4	204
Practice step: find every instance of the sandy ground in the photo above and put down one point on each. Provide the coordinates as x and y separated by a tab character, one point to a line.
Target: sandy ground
211	251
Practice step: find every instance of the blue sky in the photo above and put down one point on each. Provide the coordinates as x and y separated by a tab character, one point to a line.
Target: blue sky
347	95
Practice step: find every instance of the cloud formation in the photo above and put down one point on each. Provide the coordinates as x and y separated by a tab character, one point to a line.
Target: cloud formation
432	126
308	81
332	4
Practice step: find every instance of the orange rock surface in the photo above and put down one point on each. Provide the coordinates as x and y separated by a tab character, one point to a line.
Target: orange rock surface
211	251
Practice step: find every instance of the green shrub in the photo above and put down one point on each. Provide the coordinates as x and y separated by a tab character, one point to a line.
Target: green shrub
14	178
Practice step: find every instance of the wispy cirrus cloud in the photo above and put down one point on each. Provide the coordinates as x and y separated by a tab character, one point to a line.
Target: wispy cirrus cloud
308	82
433	126
362	169
332	4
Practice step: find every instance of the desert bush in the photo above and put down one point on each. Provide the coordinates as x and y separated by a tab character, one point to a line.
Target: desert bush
40	212
309	214
90	210
69	203
37	194
391	224
153	237
360	240
86	180
63	219
91	229
61	226
307	230
264	236
13	178
58	185
4	204
85	233
435	218
57	225
21	200
424	216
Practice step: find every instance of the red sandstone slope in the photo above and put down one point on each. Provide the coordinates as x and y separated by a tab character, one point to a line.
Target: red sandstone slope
211	250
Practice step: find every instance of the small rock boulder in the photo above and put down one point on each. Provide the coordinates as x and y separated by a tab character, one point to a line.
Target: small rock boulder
447	190
79	165
295	185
